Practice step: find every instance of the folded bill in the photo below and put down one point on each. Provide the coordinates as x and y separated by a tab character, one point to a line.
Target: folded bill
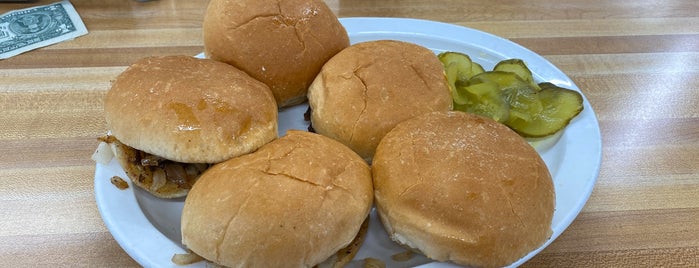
31	28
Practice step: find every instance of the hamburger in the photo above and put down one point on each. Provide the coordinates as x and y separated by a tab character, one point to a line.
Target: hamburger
295	202
281	43
462	188
365	90
170	117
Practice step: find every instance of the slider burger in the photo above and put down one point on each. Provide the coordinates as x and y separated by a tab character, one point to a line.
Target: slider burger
295	202
281	43
365	90
462	188
170	117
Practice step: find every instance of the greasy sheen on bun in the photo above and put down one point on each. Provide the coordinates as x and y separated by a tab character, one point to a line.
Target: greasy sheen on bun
462	188
366	89
190	110
169	114
293	203
281	43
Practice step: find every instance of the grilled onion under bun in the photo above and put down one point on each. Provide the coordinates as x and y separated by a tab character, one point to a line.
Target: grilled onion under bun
293	203
366	89
190	110
462	188
174	111
281	43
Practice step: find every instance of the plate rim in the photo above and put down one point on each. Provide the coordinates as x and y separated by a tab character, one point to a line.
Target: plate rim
588	124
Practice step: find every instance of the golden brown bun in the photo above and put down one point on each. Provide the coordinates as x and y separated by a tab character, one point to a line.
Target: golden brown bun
281	43
293	203
462	188
190	110
368	88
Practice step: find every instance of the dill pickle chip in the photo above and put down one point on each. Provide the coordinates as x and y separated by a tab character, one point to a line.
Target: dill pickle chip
458	63
483	98
459	69
518	67
558	106
476	68
451	74
524	103
502	79
459	96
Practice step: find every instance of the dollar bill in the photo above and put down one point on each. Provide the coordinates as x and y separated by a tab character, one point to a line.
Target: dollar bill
31	28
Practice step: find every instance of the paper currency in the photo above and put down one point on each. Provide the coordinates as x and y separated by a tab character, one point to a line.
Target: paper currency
31	28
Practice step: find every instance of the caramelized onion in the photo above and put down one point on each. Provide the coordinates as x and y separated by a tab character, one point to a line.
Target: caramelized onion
150	160
120	183
159	179
191	171
176	174
186	258
373	263
403	256
103	154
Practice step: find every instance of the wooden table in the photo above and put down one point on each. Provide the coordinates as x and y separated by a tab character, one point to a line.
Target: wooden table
636	62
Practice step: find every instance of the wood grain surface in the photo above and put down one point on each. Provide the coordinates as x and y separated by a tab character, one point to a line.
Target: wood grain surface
636	62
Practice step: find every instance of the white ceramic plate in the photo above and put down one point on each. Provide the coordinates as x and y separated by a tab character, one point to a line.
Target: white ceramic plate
148	228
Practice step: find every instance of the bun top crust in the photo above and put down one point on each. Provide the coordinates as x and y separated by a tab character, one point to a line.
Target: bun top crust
281	43
190	110
366	89
293	203
463	188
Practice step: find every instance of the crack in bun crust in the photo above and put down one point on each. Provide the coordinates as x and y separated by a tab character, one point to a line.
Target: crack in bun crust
462	188
366	89
293	203
281	43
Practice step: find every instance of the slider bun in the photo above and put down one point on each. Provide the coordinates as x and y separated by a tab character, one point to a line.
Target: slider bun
368	88
281	43
293	203
462	188
190	110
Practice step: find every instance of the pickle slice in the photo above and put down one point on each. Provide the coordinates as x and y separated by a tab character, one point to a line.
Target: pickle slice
503	79
456	68
459	68
524	103
483	97
458	64
491	94
518	67
558	106
476	68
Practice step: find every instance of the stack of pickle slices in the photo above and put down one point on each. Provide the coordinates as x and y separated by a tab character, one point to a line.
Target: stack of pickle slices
509	95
